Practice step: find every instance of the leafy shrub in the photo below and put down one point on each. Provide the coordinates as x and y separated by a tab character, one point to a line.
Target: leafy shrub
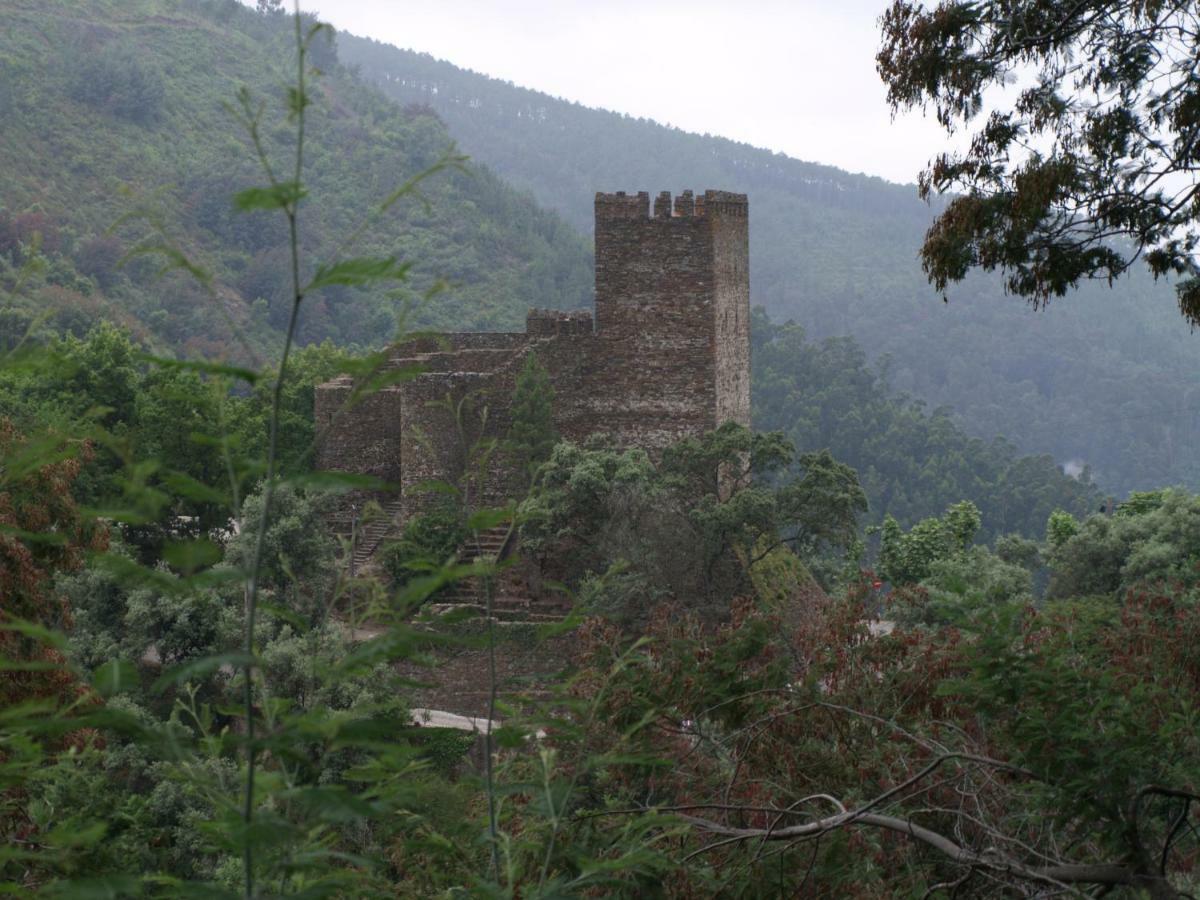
909	557
298	550
428	539
1154	538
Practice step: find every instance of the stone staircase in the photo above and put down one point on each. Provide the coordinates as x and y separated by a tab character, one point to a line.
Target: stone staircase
505	611
487	546
371	534
511	604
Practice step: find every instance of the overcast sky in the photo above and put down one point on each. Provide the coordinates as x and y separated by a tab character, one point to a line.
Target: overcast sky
796	76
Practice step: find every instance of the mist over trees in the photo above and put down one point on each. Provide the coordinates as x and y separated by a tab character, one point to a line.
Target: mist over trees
1103	378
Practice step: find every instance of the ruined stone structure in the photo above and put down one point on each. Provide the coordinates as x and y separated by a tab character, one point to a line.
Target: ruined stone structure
666	356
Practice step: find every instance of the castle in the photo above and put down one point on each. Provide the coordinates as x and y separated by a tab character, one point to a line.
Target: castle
666	356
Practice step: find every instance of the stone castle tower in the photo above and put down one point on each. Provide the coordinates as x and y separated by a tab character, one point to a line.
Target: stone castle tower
667	355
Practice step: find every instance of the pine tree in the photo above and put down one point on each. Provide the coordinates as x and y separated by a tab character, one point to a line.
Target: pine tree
532	435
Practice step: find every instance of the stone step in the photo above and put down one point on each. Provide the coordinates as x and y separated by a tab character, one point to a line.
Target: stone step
501	612
372	534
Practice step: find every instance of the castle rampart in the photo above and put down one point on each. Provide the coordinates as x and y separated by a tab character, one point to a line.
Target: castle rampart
666	355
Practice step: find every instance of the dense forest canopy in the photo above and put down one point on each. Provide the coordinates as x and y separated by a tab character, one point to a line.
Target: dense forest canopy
113	108
1103	379
913	461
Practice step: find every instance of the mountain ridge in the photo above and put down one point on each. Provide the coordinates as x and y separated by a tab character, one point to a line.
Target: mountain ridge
1105	376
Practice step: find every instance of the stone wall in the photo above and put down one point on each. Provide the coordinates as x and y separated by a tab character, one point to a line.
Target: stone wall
731	264
361	435
667	355
672	310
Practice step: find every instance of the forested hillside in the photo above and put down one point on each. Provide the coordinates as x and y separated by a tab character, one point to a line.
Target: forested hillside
913	462
115	107
1106	378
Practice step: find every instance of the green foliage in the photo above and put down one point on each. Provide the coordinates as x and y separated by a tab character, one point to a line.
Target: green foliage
121	100
532	435
115	79
1048	218
593	510
1060	528
445	748
912	463
298	551
1076	665
429	540
1139	503
1156	541
909	557
823	507
309	366
1019	551
959	587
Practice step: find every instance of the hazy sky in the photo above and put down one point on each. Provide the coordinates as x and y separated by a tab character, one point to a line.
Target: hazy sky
797	77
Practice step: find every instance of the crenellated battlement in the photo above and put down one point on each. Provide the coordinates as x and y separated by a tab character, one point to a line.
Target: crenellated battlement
545	322
623	206
686	205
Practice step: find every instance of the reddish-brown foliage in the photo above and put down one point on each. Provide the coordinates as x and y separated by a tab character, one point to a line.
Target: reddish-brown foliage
41	533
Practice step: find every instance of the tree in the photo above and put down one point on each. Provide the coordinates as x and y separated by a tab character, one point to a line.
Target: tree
114	79
532	435
909	558
1152	541
297	550
1093	163
667	531
1031	752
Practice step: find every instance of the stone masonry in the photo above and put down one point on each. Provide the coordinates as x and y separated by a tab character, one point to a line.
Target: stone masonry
666	356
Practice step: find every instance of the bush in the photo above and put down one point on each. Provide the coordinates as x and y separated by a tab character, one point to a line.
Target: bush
429	539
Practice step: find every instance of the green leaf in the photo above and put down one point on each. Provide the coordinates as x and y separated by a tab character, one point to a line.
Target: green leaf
39	633
197	890
175	259
358	271
114	677
50	539
100	888
191	556
485	519
186	486
277	196
201	668
206	368
298	623
337	482
331	803
129	573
